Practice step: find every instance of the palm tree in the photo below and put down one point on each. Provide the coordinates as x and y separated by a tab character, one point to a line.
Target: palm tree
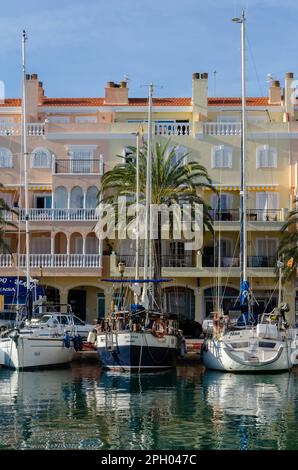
174	181
288	246
4	210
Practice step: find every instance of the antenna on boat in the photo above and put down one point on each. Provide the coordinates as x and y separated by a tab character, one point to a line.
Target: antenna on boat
25	156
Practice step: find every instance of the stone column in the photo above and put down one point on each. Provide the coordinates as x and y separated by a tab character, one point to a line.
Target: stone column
199	307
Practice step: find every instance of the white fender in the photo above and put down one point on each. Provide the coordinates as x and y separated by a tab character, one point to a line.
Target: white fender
91	337
294	358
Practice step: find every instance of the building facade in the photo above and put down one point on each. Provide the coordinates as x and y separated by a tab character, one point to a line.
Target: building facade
73	141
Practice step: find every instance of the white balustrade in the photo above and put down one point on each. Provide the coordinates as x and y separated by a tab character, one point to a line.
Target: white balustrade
59	214
12	129
222	128
5	261
182	128
61	261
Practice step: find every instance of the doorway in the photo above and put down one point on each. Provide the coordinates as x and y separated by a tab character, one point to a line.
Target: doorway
77	300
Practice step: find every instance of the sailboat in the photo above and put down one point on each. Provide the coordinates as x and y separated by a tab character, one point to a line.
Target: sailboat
141	336
267	344
27	346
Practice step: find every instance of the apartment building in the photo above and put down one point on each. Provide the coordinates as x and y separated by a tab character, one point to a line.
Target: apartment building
73	141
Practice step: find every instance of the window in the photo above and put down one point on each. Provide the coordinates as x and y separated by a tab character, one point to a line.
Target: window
91	247
267	206
180	152
82	158
76	198
91	197
86	119
266	247
77	321
41	245
5	158
266	157
43	202
58	119
221	157
129	155
60	199
41	158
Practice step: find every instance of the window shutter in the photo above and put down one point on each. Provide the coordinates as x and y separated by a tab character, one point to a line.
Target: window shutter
272	157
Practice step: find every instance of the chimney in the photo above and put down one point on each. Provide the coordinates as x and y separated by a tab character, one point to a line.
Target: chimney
274	92
289	94
116	93
200	96
35	94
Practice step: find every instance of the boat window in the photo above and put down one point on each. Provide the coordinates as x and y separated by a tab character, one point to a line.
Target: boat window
239	345
263	344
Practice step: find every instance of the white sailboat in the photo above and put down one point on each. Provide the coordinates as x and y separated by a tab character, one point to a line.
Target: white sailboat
271	344
140	337
26	348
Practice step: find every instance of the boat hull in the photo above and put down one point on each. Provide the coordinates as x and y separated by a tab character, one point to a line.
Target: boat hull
217	356
33	352
135	352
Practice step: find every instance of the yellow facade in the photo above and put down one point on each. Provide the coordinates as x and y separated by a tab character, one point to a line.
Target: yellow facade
71	142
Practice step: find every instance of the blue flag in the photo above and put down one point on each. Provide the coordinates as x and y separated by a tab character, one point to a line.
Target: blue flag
244	292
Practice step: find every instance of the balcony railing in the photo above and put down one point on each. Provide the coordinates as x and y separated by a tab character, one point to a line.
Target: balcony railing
225	215
222	128
209	261
261	261
168	261
78	167
5	261
61	261
59	214
265	215
173	129
15	129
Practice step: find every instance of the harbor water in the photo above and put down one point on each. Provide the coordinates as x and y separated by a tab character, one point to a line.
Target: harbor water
83	407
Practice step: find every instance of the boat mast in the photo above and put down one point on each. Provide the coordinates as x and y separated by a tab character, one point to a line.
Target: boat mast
243	268
137	203
25	157
148	248
243	220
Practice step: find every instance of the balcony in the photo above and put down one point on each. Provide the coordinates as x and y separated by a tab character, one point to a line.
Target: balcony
222	128
6	261
61	261
225	215
35	129
266	215
261	261
168	261
180	129
209	261
60	214
78	167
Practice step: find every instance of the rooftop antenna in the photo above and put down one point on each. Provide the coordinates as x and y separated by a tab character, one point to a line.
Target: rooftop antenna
214	83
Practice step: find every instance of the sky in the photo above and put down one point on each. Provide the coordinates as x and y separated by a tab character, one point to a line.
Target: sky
76	46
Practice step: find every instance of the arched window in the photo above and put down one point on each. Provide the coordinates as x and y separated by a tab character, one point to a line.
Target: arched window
41	158
60	199
5	158
91	247
91	197
76	244
76	198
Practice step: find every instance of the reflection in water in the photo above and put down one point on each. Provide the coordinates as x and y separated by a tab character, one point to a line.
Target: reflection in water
85	408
